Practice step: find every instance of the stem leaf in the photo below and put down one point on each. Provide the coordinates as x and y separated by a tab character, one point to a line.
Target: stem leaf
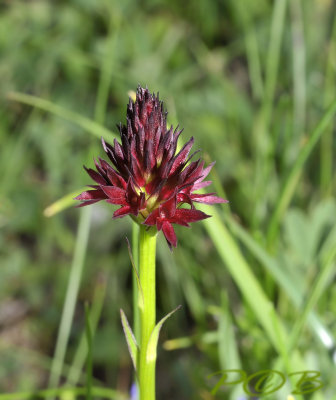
132	344
154	338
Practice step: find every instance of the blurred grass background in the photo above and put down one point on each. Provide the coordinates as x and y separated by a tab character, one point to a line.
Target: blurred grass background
254	83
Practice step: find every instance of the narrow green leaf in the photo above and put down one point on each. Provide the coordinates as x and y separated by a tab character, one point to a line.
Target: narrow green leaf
324	276
327	148
99	294
262	140
241	272
299	66
154	338
199	340
62	204
132	344
86	123
245	18
88	331
293	177
228	352
75	277
292	288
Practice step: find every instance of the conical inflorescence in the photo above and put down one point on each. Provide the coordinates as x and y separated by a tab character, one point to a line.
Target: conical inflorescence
146	176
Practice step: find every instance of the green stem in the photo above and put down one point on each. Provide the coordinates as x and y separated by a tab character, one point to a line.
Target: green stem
146	370
135	253
136	311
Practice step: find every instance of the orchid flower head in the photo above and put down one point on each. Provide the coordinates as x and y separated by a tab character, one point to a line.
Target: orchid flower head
146	176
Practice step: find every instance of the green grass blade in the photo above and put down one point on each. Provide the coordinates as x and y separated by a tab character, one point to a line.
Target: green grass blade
299	67
227	345
294	175
71	296
327	149
62	204
73	375
104	83
273	55
252	48
294	290
89	368
241	273
263	141
85	123
323	277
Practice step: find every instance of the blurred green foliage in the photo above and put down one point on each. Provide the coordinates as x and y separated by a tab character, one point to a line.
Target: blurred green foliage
250	80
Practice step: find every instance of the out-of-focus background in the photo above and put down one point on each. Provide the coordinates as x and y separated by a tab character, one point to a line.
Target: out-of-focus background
254	83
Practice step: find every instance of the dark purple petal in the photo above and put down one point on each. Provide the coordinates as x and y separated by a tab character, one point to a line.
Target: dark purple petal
157	136
200	185
183	216
87	203
150	127
91	195
152	217
117	201
164	141
188	171
141	140
169	233
182	155
126	147
118	150
196	174
112	175
106	146
99	168
131	194
168	209
110	152
115	195
207	198
206	171
121	212
149	157
95	176
112	192
136	172
185	198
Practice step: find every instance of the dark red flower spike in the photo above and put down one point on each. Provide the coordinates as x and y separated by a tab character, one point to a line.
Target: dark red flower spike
147	178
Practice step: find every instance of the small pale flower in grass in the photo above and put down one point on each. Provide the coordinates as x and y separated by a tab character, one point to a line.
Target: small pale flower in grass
134	392
146	176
